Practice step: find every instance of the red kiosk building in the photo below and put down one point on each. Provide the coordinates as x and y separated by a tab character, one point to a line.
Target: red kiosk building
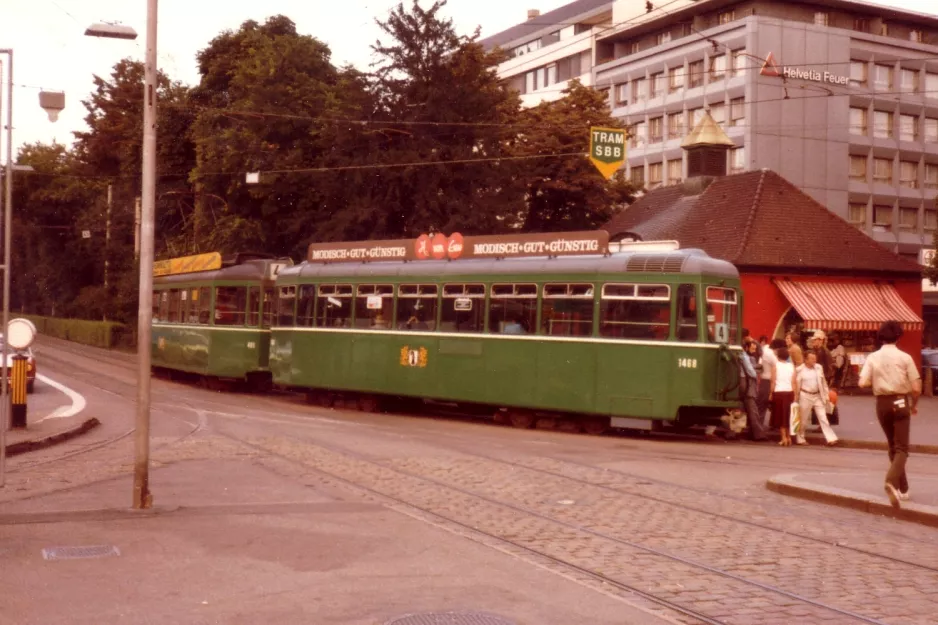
801	265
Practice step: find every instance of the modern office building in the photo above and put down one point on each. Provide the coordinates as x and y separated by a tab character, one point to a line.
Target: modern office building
840	98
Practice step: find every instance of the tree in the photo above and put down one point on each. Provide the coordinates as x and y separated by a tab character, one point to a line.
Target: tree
567	192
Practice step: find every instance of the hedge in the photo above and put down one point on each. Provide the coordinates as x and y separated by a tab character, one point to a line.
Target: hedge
107	334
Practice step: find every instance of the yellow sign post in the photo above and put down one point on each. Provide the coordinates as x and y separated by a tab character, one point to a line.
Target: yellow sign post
607	149
187	264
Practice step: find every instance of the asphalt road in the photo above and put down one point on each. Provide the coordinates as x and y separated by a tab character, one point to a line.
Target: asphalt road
270	510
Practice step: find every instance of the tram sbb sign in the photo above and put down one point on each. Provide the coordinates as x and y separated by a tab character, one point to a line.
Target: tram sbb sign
442	247
607	149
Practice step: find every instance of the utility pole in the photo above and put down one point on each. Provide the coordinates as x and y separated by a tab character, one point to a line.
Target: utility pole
107	235
7	223
137	228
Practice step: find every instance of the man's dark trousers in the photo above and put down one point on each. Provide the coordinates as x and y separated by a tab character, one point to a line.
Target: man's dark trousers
895	421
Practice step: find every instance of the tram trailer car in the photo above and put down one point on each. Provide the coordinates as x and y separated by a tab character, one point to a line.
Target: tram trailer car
212	317
628	339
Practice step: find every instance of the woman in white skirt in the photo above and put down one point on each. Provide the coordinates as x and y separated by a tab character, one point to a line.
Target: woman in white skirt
812	393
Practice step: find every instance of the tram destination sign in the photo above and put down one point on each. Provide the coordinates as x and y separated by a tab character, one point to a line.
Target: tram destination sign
442	247
187	264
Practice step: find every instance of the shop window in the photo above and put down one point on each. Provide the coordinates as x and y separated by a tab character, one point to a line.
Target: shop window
931	129
722	315
656	86
676	78
882	170
882	124
374	306
931	219
305	312
675	170
567	310
908	218
676	125
856	214
858	72
696	72
334	306
254	307
858	168
858	121
718	67
908	127
908	80
655	177
687	330
622	94
230	305
655	129
463	308
513	309
636	311
883	77
821	18
286	306
416	307
908	174
737	111
882	216
739	62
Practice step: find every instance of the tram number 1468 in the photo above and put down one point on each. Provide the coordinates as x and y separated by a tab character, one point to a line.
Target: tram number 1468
687	363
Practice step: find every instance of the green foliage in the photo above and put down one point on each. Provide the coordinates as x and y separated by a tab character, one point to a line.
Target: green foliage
104	334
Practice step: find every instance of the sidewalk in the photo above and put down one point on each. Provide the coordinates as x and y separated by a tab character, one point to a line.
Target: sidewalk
51	418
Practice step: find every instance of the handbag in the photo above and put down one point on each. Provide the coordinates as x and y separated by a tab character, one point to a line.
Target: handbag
795	419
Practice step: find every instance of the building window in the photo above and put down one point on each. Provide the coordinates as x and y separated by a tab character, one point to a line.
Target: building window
676	78
858	72
856	214
908	174
655	130
726	17
821	18
655	175
676	125
638	176
530	82
675	169
882	77
884	29
696	71
622	94
882	215
737	159
718	112
908	218
739	62
861	25
931	130
549	75
663	38
931	85
882	124
640	135
718	67
694	116
858	168
908	80
882	170
579	29
858	121
931	219
915	35
908	128
639	90
657	84
931	176
737	111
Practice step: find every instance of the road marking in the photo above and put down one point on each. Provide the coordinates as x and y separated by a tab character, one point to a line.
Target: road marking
78	401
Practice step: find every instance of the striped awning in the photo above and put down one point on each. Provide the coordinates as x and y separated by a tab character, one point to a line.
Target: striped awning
848	305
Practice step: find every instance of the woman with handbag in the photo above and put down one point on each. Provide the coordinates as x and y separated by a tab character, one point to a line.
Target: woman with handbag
813	394
781	395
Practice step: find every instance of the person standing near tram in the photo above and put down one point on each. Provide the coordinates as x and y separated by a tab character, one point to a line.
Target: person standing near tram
897	385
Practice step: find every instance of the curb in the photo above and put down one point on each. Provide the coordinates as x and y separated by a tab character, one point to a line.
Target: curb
875	445
53	439
913	513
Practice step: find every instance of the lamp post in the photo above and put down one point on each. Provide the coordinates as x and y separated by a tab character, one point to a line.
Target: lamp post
141	492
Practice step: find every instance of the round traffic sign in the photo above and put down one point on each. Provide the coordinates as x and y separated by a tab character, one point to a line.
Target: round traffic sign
20	333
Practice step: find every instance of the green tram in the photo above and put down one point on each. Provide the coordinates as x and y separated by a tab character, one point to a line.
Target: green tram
631	337
212	316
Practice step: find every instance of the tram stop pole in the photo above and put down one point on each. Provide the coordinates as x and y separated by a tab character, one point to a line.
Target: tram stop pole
18	392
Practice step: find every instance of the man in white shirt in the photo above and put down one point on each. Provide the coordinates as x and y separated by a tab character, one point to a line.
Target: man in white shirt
769	359
897	385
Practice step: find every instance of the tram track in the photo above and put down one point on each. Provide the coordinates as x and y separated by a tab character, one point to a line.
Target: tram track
382	479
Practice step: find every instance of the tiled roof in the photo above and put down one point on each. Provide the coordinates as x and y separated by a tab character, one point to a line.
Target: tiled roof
756	219
554	20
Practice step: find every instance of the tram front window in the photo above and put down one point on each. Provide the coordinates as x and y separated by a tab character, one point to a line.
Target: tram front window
722	315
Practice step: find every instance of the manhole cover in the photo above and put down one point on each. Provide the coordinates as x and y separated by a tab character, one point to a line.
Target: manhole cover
449	618
77	553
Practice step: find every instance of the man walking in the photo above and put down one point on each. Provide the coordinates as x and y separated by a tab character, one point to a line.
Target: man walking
897	385
765	382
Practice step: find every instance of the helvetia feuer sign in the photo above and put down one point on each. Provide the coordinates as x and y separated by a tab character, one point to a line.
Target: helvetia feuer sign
771	69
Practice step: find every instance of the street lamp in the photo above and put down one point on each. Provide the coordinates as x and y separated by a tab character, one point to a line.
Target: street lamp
141	493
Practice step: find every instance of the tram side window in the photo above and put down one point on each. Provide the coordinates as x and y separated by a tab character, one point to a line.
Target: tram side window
254	307
192	308
270	304
636	311
374	306
155	305
463	308
513	309
305	313
567	310
230	304
174	302
164	305
416	307
205	305
722	315
286	303
334	306
687	313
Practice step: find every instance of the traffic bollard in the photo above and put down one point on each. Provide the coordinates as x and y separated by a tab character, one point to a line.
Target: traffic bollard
18	392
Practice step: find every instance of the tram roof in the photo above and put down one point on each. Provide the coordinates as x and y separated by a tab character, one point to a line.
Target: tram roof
254	269
686	261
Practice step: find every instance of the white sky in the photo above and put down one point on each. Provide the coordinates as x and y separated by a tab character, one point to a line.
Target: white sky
51	51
